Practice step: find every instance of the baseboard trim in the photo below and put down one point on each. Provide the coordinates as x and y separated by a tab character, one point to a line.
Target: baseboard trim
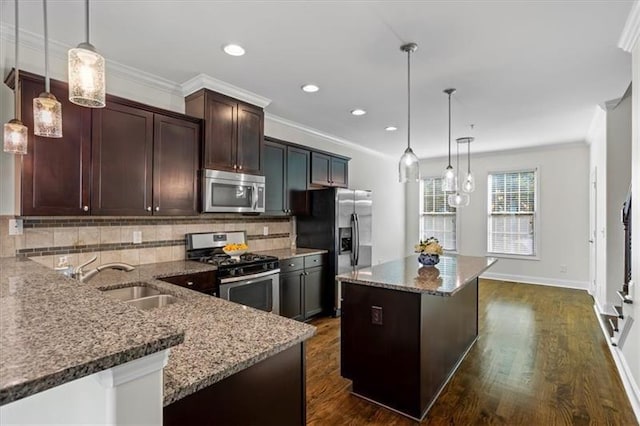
576	285
629	384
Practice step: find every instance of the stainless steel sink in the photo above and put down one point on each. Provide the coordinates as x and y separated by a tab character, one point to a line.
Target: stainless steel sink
152	302
131	293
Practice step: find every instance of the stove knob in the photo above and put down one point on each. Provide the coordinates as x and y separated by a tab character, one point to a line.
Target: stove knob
232	272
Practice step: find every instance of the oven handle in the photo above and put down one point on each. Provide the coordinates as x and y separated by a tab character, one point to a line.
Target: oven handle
249	277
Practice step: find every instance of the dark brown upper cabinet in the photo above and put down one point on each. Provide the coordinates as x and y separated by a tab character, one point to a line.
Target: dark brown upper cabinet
125	159
286	170
143	162
233	132
329	170
55	171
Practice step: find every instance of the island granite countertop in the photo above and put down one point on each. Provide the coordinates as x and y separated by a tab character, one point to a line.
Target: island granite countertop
221	337
54	330
451	274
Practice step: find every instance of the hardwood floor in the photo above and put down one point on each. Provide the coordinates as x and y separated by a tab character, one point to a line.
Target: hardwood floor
541	359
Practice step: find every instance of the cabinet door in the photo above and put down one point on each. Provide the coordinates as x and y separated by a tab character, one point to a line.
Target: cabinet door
291	295
221	117
298	172
320	169
122	160
250	139
313	291
56	172
175	165
275	176
339	172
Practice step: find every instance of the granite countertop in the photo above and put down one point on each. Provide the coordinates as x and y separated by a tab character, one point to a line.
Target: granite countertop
54	330
451	274
221	338
288	253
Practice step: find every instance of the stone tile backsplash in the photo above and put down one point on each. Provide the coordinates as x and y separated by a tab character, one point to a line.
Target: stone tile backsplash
45	239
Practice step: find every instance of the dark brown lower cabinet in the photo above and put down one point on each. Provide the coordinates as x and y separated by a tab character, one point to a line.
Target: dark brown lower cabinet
313	285
400	348
302	287
291	295
271	392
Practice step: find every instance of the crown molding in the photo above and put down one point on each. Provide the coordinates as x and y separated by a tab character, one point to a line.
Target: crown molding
319	133
631	32
59	51
204	81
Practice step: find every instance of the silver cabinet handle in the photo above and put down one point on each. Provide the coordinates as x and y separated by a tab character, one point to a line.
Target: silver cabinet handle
292	264
149	208
189	283
157	208
85	208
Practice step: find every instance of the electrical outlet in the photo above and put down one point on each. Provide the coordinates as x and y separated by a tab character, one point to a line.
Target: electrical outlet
563	269
265	230
15	227
376	315
137	237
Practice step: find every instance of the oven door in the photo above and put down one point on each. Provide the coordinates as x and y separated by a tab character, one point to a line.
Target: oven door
260	291
233	192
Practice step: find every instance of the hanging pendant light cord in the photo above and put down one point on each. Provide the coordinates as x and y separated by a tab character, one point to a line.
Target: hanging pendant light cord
86	12
468	156
457	162
409	99
16	76
46	48
450	130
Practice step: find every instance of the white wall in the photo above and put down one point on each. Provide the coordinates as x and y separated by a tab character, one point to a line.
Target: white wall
366	171
563	173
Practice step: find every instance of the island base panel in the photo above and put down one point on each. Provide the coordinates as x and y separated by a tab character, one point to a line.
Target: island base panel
404	362
271	392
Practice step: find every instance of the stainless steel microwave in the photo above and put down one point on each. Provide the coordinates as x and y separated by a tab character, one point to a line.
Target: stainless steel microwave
227	192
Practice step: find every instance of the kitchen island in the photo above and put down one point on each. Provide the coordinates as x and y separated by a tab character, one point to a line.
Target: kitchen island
406	328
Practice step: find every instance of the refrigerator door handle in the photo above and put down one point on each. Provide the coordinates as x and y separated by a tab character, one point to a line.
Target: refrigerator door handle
357	241
353	239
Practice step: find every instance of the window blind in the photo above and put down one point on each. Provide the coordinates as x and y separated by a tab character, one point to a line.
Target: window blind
437	218
512	210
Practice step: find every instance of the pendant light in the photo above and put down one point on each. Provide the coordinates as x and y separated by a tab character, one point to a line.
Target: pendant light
16	133
469	184
47	111
409	166
86	72
449	178
458	200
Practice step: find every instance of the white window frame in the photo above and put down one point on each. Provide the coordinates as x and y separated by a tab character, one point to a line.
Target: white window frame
422	213
536	215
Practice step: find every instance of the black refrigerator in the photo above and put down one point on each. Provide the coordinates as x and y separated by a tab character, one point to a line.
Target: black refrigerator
339	221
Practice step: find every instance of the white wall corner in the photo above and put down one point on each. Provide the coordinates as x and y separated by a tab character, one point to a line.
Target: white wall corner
204	81
319	133
596	124
631	31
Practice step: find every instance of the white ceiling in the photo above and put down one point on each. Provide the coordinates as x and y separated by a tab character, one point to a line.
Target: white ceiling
527	72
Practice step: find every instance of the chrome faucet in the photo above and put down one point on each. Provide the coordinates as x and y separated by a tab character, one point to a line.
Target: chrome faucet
83	276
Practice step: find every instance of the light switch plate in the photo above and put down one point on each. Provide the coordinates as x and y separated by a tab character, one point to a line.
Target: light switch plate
15	227
265	230
376	315
137	237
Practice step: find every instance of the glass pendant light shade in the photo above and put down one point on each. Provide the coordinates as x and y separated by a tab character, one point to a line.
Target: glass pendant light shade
409	167
15	137
47	116
469	184
458	200
449	180
86	76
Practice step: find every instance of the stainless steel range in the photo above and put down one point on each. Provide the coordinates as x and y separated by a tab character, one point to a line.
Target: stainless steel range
249	279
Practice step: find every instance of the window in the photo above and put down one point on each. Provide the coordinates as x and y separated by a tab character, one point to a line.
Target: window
512	213
437	219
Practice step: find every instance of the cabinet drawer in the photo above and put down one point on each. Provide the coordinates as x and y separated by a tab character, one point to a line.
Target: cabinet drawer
293	264
200	281
313	260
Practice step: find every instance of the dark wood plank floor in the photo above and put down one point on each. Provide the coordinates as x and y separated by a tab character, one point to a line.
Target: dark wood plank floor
541	359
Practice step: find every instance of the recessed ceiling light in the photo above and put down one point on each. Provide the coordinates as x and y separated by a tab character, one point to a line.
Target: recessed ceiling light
391	128
358	111
233	50
310	88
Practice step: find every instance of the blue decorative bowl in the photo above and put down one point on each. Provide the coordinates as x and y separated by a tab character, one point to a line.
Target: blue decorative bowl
428	259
